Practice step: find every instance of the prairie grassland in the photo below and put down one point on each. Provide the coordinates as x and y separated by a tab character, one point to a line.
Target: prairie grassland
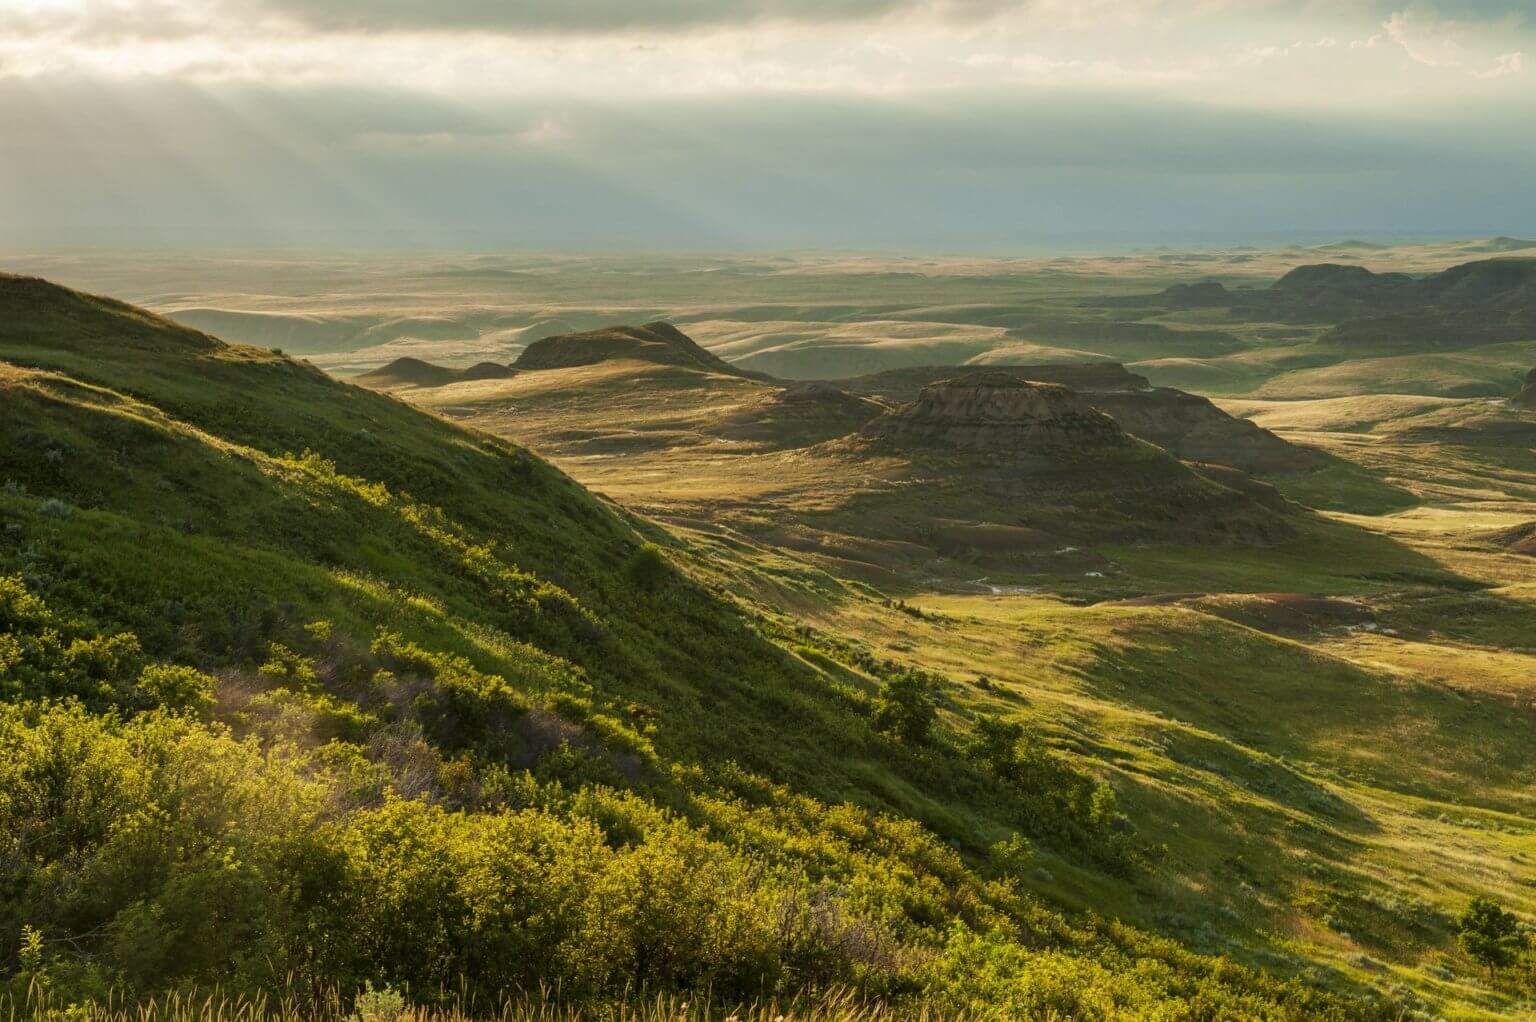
386	1005
801	315
1275	771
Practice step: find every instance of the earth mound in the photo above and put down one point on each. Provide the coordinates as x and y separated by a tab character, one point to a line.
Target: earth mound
1520	539
995	412
825	396
1190	427
487	371
1507	284
1207	294
413	372
1032	471
1341	277
1186	425
660	343
812	390
798	415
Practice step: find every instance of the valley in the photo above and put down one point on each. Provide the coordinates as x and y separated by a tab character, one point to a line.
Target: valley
635	564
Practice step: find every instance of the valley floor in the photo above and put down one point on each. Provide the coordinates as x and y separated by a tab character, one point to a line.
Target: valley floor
1329	739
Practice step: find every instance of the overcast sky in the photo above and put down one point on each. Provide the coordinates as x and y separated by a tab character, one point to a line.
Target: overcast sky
668	124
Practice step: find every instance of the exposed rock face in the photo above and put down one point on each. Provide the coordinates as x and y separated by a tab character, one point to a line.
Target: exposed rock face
1526	399
996	413
905	384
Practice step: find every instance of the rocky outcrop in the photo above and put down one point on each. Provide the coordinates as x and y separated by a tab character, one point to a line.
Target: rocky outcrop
994	412
900	385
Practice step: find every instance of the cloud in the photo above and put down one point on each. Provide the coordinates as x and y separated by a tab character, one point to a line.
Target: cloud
243	165
1506	64
604	16
1426	39
1449	43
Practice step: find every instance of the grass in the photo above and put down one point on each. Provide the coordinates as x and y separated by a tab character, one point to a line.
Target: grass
388	1005
1307	804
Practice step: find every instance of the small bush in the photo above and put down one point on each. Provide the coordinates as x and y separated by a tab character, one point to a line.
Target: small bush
1011	858
385	1004
1488	933
178	687
905	708
647	568
53	507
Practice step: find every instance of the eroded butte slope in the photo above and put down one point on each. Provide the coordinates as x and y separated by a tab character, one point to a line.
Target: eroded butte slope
990	449
994	414
1186	425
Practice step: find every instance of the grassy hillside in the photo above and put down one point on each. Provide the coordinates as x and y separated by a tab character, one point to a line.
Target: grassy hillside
303	688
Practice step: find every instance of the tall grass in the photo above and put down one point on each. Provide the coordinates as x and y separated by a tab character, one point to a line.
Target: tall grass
387	1005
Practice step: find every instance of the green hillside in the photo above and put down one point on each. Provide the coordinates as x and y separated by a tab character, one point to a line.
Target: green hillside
305	687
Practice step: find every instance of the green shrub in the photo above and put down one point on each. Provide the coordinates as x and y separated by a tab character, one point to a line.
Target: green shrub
1012	857
1488	933
647	568
465	706
905	708
385	1004
177	687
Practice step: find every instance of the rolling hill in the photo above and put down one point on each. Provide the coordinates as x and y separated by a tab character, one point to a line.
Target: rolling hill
302	687
659	343
408	691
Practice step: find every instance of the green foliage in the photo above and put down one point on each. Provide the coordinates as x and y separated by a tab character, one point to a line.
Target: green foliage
380	789
1059	800
385	1004
465	706
647	568
905	708
1488	933
177	687
1012	857
44	656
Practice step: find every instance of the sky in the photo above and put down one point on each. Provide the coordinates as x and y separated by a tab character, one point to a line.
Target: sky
763	124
